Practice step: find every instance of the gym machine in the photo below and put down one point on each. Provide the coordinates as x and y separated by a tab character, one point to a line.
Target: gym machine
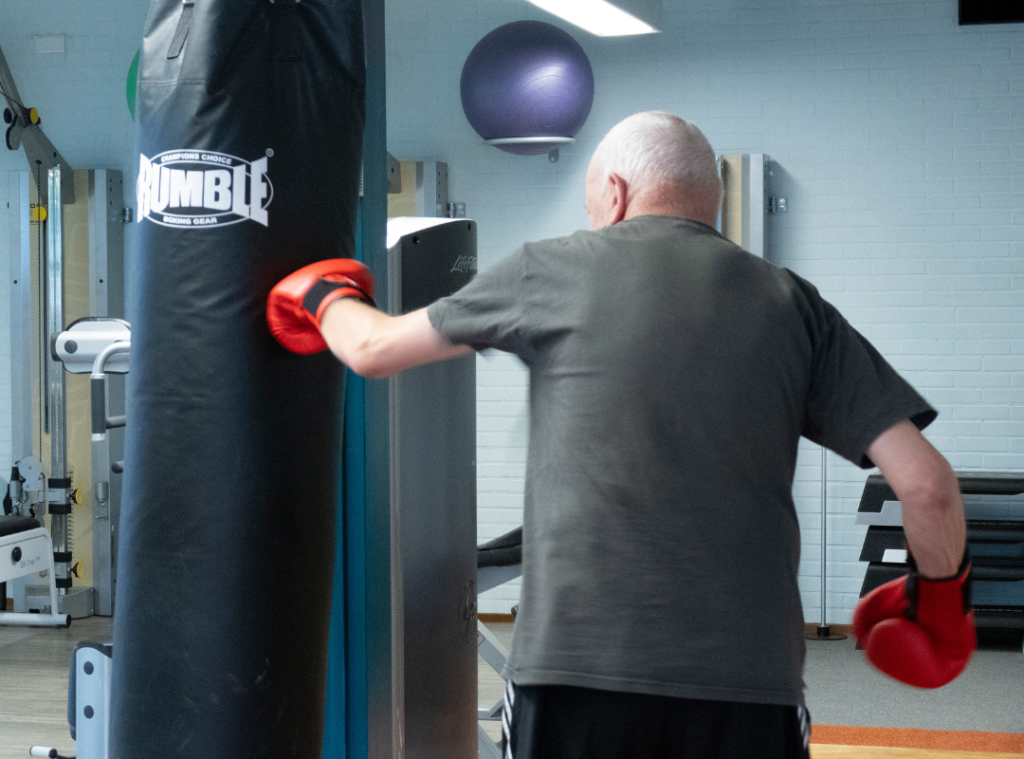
88	703
26	543
994	507
433	507
66	265
67	262
98	347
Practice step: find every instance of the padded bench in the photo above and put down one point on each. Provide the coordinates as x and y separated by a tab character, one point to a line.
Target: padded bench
25	549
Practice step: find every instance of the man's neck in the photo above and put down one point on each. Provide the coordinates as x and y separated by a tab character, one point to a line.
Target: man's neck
652	209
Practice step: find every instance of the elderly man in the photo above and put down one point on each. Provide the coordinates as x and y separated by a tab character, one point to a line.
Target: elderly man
671	377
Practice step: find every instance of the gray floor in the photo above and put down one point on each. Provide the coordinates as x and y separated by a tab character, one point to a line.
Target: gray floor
843	689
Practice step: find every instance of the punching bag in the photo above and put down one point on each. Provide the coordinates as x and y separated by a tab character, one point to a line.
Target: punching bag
250	117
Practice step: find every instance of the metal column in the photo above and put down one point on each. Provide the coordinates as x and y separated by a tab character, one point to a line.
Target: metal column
21	314
22	397
55	410
823	631
106	298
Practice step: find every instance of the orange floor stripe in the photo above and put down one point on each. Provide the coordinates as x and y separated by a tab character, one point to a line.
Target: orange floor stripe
897	737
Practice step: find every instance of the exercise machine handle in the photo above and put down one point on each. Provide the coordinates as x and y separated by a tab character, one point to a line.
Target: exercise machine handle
50	753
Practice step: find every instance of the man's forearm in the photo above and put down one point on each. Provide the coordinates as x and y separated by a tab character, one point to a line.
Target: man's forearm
348	326
376	345
934	525
928	489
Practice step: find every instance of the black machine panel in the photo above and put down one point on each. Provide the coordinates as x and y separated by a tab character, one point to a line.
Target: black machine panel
436	261
433	413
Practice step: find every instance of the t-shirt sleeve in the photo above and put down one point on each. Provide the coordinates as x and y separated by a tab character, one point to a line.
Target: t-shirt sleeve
487	312
855	393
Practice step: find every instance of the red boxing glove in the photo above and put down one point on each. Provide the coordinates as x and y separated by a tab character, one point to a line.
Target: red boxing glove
917	630
298	302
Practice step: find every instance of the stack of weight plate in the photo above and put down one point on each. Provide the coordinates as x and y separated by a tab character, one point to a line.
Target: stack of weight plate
994	504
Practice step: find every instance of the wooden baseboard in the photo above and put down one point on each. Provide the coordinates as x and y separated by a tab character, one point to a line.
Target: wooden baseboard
943	740
825	751
495	618
811	627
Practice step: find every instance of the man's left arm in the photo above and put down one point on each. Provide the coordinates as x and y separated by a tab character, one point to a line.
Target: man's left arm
375	345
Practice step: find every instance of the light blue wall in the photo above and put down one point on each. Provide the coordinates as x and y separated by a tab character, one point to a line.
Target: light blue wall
80	95
898	138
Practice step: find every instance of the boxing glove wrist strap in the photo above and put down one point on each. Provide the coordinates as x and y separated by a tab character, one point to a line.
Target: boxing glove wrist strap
915	579
324	290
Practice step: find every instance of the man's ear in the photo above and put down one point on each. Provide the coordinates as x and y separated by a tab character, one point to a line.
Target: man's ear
619	192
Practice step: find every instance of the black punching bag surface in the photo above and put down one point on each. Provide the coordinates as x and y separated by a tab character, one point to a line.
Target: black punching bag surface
251	120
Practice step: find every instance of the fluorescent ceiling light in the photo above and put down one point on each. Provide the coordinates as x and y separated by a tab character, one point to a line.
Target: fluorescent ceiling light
596	16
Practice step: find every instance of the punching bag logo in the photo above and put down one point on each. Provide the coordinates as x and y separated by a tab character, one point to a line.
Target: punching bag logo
202	188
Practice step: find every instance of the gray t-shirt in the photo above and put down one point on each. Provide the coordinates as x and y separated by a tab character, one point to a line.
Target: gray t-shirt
671	377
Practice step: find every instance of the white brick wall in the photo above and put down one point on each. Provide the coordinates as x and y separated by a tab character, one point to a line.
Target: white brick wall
502	424
898	138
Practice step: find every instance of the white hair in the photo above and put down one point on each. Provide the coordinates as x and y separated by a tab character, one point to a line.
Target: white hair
662	155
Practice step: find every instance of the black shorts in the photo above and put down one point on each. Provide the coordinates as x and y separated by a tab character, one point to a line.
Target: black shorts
562	722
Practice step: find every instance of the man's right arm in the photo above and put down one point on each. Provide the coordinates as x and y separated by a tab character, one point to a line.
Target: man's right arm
327	304
374	344
933	510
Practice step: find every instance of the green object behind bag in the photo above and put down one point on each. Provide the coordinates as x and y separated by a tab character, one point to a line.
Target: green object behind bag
132	83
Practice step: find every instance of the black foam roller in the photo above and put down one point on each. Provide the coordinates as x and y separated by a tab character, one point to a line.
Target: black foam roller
251	118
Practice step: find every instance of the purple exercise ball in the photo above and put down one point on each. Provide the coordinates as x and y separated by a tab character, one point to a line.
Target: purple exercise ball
527	79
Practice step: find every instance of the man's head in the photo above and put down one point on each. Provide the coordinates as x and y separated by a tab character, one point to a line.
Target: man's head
653	163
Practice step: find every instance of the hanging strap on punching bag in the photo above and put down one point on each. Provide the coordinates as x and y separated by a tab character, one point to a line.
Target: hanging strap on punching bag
184	21
287	42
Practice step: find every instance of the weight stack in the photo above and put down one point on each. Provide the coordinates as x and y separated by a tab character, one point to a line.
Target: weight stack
994	506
